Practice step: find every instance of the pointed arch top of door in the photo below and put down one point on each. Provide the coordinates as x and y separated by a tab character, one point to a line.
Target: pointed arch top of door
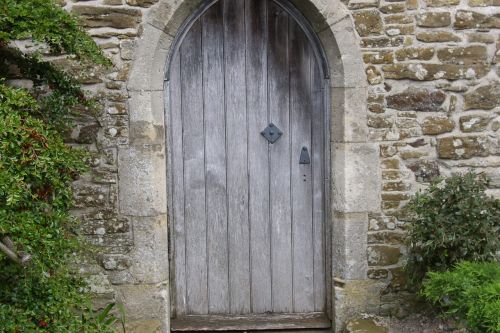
306	27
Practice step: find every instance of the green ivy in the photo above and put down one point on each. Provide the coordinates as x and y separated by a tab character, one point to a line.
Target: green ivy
44	21
453	220
36	172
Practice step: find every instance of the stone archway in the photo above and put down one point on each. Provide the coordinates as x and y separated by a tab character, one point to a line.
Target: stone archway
354	189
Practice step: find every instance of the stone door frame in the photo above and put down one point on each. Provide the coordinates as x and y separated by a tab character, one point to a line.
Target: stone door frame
142	164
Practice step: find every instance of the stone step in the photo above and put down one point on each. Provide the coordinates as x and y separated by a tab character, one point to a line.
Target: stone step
366	325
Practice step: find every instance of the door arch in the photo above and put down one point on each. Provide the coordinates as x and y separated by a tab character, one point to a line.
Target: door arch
248	159
143	173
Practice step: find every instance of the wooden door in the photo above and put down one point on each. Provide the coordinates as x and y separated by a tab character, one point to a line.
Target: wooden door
248	237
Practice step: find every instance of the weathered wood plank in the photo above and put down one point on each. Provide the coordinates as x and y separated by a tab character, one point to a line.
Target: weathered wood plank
237	156
301	174
315	320
177	164
278	92
215	159
258	159
194	171
318	183
249	231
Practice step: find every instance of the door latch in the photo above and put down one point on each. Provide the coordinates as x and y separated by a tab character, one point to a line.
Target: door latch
304	156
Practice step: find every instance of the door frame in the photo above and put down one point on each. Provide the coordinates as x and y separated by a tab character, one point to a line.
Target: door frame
354	188
319	54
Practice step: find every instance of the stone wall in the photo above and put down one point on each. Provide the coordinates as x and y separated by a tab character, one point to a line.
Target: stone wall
434	106
433	109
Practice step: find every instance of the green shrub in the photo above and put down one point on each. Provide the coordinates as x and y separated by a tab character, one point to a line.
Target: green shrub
471	292
453	220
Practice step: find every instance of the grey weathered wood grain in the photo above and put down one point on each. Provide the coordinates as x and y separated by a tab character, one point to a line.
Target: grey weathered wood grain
194	171
177	164
301	174
314	320
249	231
237	156
215	159
258	159
281	221
317	160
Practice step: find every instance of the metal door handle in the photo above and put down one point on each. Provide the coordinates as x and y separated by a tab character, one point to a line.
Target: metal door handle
304	156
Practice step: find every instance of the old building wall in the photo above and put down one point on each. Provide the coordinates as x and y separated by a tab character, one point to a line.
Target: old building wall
431	108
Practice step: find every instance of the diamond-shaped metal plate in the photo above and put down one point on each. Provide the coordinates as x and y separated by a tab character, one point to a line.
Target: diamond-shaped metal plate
271	133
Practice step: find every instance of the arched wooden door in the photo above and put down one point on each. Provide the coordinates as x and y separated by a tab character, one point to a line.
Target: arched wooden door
247	159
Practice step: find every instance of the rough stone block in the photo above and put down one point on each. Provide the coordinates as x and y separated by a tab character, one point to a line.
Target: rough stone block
142	180
437	37
463	55
141	3
465	19
368	22
425	170
387	237
457	148
147	117
356	177
416	99
474	123
380	121
149	257
355	297
393	8
494	177
485	97
429	72
373	75
437	125
322	13
441	3
483	3
425	53
394	30
342	51
382	255
378	42
348	115
145	304
112	17
168	16
433	19
148	68
360	4
378	57
349	245
398	19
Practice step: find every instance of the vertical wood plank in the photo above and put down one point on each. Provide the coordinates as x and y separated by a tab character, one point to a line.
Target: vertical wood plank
194	171
249	231
237	156
258	167
301	177
177	165
318	176
278	97
215	159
